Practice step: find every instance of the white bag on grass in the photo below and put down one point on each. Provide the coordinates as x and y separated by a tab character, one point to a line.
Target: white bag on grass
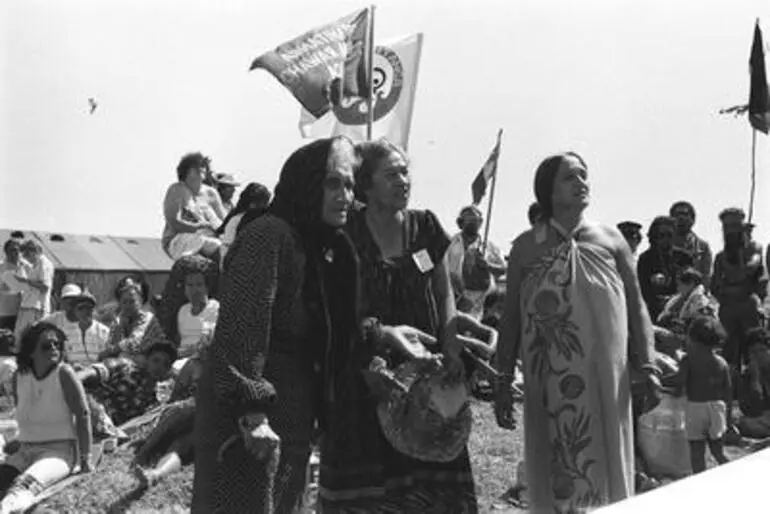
663	439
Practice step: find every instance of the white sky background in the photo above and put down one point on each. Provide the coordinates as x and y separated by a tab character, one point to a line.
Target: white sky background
634	86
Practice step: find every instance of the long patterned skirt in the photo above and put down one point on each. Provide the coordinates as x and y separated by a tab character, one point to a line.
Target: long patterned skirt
577	415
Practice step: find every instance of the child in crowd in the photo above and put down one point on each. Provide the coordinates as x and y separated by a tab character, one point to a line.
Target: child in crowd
705	379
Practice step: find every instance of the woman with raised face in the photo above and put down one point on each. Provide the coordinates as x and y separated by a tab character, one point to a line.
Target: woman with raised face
572	297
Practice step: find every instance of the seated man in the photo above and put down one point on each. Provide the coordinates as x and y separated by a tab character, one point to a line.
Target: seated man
126	389
86	337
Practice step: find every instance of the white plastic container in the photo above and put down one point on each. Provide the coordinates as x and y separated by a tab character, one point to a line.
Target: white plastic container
663	439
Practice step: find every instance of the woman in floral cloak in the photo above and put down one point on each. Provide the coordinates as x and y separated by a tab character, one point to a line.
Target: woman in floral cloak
572	297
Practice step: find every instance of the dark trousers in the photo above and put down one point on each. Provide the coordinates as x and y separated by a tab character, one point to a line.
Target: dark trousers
737	318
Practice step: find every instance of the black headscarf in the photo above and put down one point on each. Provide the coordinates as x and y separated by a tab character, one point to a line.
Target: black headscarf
254	192
330	289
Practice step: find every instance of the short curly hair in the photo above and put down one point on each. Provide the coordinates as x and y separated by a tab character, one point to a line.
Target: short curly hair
135	282
29	339
190	160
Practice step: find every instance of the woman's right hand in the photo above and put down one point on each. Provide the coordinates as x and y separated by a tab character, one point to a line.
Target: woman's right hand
409	341
505	410
258	437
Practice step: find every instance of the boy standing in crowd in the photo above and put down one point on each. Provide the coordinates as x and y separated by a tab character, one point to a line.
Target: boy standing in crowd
705	380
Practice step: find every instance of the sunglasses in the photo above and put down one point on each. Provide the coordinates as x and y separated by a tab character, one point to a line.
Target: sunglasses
47	346
664	235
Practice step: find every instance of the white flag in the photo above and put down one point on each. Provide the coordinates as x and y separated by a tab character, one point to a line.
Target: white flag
396	66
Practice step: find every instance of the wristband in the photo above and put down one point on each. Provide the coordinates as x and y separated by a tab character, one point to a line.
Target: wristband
651	369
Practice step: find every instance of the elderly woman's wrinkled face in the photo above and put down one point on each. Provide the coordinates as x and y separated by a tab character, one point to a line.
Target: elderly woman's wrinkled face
195	288
570	187
48	349
391	182
131	301
338	184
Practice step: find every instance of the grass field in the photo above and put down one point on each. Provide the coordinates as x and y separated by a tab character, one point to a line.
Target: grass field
495	454
112	488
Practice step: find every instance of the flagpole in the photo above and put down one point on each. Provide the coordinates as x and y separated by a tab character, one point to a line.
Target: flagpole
753	172
370	77
492	194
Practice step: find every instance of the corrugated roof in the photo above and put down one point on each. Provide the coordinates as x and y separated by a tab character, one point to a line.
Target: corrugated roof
147	252
86	253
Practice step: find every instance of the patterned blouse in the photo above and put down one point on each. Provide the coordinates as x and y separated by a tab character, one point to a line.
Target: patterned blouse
135	337
125	390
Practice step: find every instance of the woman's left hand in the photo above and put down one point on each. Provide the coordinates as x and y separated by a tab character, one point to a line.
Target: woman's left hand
465	331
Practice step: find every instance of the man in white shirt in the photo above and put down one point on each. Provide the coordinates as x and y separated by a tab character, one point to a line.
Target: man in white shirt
473	269
36	283
10	298
86	338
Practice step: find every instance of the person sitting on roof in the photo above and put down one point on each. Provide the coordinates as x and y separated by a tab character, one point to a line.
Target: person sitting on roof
86	337
136	329
126	389
252	204
193	211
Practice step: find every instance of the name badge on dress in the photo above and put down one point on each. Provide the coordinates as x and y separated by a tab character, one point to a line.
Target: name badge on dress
423	261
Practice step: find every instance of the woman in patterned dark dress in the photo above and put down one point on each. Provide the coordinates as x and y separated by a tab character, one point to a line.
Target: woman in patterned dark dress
403	281
264	367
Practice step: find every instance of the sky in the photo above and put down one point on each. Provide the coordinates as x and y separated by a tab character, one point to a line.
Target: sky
634	86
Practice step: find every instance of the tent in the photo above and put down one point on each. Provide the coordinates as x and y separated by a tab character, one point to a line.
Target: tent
99	262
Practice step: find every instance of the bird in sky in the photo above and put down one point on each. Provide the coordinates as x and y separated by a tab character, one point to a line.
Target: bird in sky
92	105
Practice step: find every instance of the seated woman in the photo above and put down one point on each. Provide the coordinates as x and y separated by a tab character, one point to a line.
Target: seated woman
193	212
252	203
53	419
136	328
690	301
170	445
188	313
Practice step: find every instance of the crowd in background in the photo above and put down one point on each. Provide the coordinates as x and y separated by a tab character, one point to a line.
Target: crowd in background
204	348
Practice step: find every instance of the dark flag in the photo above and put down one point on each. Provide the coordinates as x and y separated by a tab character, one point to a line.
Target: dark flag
324	64
759	97
487	173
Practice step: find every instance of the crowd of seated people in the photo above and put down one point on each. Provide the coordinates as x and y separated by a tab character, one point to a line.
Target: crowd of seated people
111	375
